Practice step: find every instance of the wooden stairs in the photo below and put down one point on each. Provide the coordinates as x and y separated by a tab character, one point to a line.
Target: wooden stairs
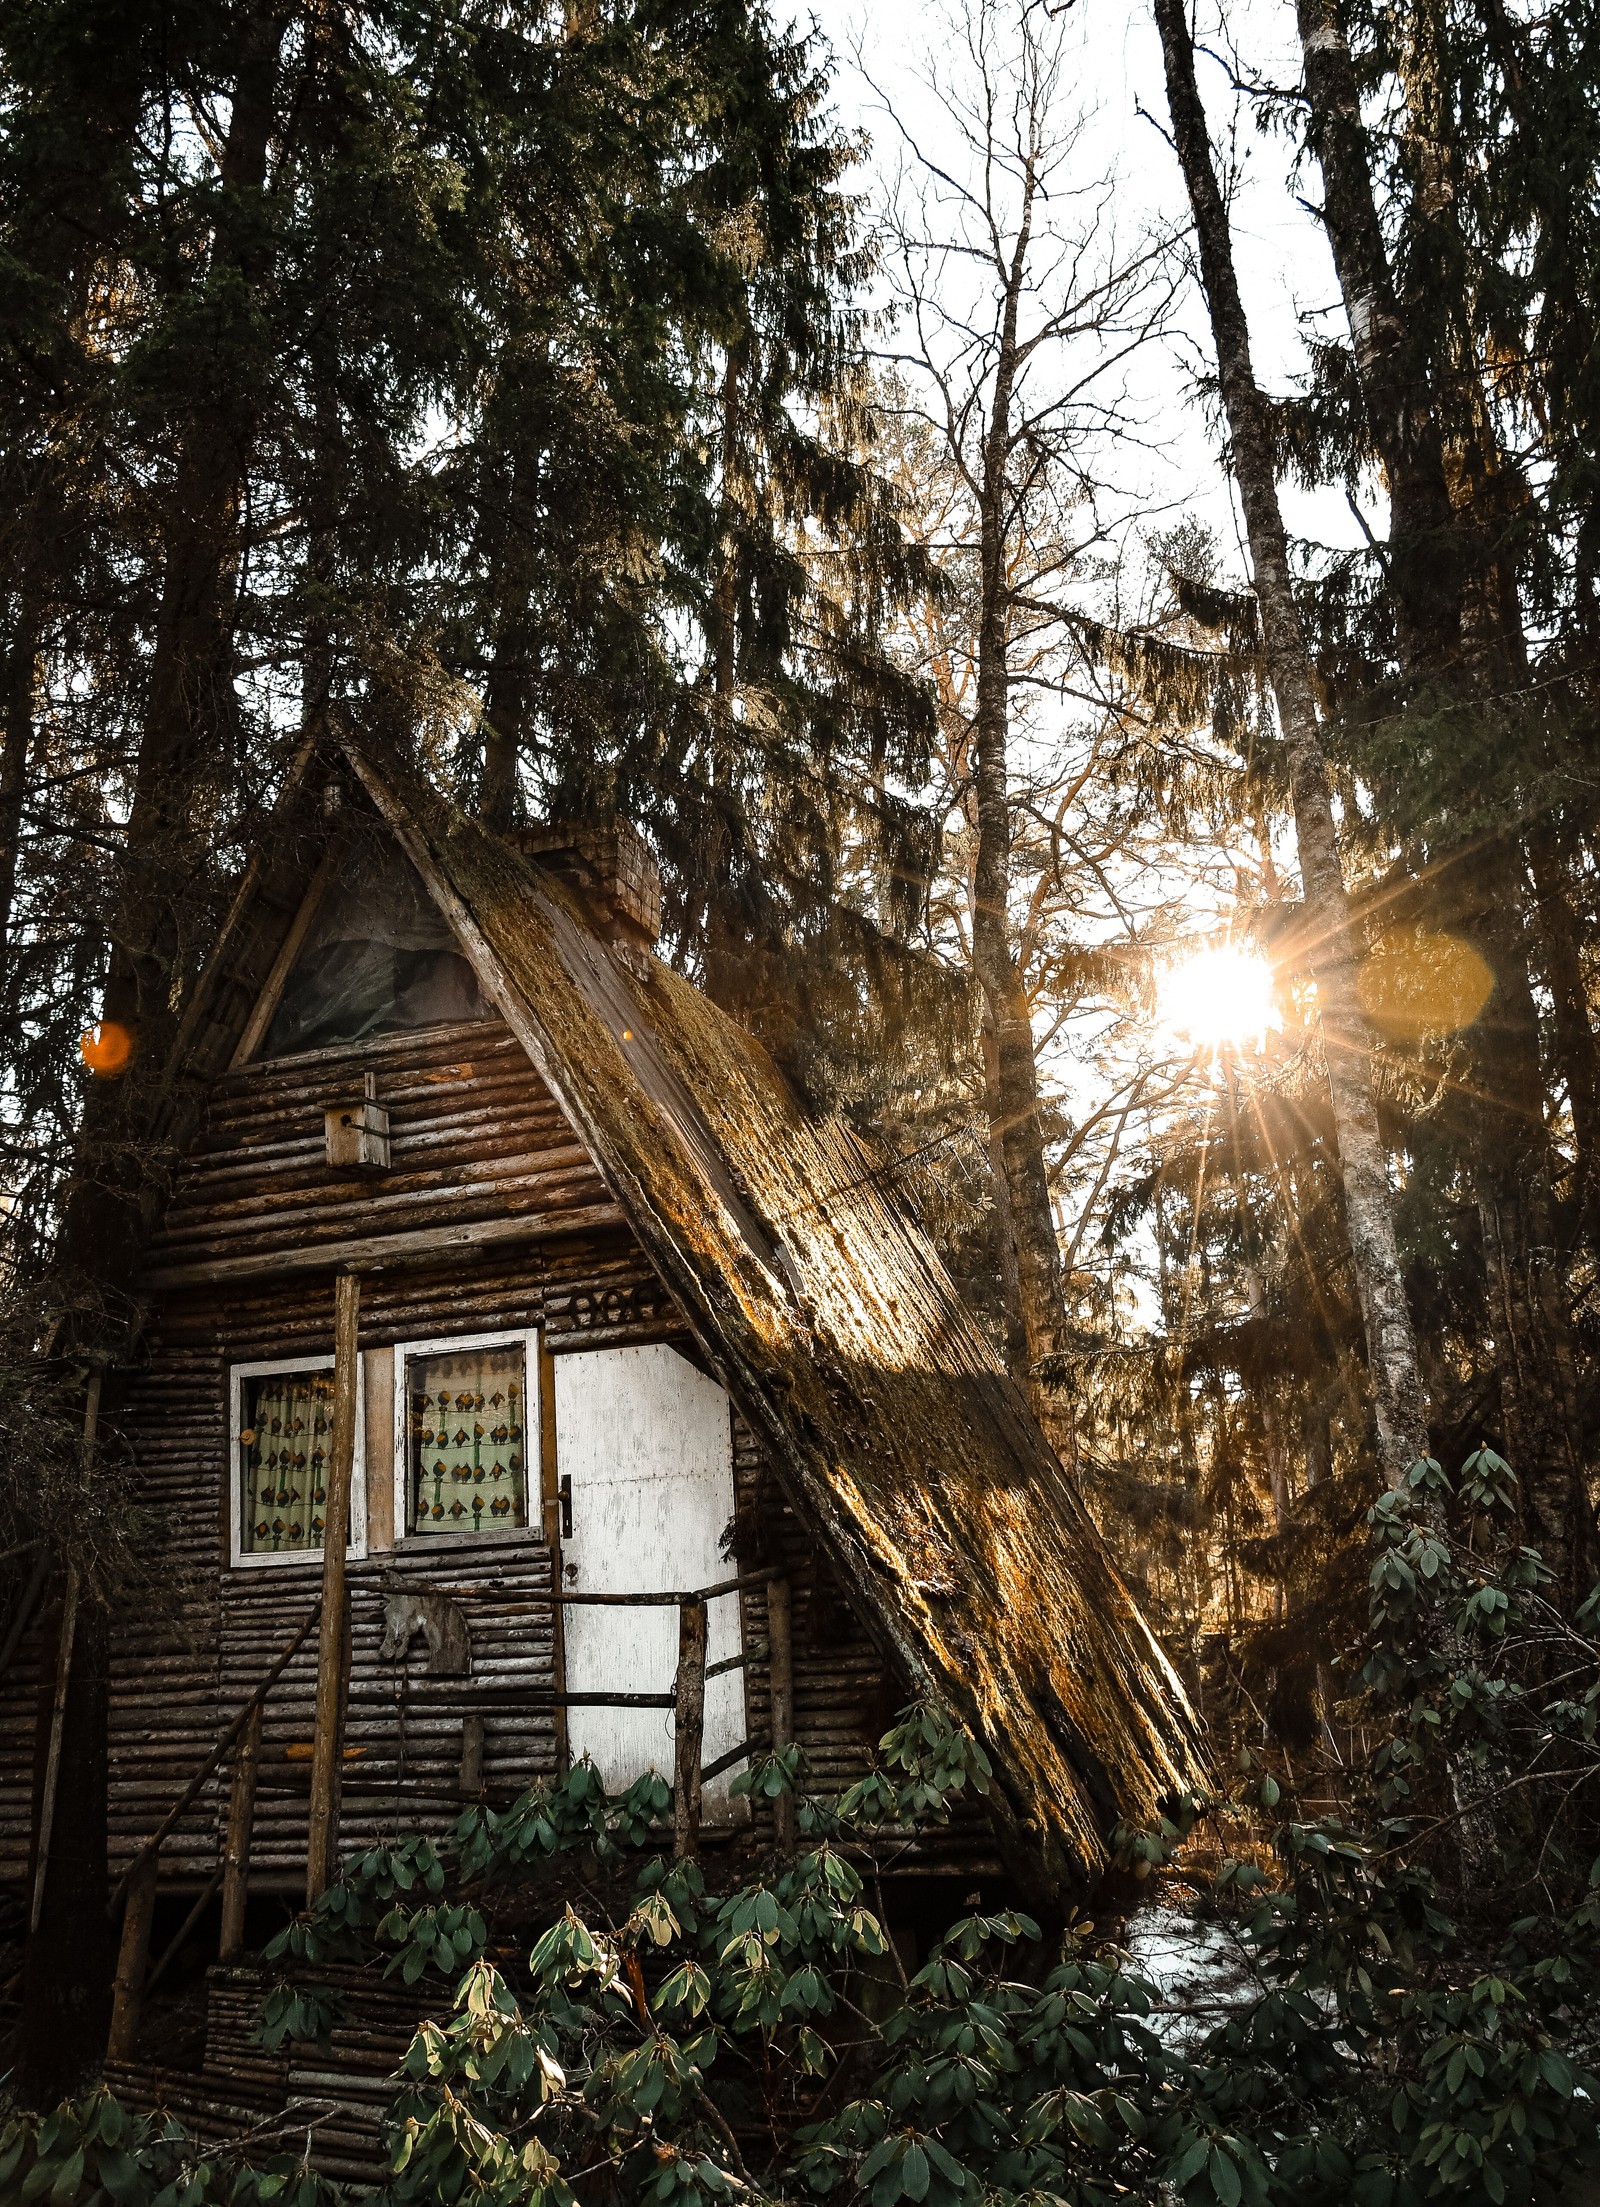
328	2102
325	2101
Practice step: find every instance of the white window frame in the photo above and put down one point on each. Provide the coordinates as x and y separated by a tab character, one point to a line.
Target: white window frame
242	1559
452	1344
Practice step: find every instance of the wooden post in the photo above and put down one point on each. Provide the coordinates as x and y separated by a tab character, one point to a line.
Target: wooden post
236	1841
689	1724
470	1776
133	1957
322	1835
65	1640
550	1489
780	1695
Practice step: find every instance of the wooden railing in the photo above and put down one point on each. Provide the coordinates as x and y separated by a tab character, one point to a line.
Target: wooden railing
687	1700
135	1891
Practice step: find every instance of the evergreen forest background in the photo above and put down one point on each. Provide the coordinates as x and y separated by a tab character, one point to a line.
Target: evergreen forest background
1200	917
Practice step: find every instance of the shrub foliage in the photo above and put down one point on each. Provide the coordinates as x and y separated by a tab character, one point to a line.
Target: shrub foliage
1414	2015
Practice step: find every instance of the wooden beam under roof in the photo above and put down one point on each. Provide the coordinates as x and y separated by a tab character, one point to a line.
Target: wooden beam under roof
376	1252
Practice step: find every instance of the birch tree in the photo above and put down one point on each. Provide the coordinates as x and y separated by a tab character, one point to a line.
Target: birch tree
1015	309
1398	1404
1424	371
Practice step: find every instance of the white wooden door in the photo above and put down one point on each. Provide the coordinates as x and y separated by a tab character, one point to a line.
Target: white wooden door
647	1441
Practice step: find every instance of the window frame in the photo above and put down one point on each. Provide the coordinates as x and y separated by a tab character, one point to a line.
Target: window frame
239	1557
453	1344
251	1047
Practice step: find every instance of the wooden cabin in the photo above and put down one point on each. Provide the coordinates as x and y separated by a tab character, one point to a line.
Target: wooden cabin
632	1322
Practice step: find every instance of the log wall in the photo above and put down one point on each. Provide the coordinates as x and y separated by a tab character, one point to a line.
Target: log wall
479	1150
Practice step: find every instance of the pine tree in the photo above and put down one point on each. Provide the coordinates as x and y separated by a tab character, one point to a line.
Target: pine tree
290	246
1347	1042
1452	741
668	496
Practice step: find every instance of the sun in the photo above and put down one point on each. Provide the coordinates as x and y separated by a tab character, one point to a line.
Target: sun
1216	996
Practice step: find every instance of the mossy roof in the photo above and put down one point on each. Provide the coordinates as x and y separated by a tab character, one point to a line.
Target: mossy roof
894	1429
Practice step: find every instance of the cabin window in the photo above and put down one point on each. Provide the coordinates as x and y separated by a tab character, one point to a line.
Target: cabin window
282	1450
466	1435
379	958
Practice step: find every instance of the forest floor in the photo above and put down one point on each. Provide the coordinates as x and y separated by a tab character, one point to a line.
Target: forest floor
1196	1963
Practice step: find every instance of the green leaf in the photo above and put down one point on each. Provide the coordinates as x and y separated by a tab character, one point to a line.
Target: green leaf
1133	2121
948	2167
118	2172
1224	2178
1191	2162
1557	2072
66	2186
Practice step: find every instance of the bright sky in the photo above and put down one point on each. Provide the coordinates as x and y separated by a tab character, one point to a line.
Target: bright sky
884	54
1282	256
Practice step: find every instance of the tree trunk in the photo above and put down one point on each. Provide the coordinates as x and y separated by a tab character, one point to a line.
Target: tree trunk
73	204
89	104
1021	1138
1016	1338
186	708
1460	626
16	742
190	694
67	1966
509	692
1574	1035
116	1169
1426	568
1015	1089
508	709
1316	1439
1273	1445
725	592
1533	1338
1386	1316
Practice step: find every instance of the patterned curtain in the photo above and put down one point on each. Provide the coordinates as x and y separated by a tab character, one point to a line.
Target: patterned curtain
284	1444
467	1444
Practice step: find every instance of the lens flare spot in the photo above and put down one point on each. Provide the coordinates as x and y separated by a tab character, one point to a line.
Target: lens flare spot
1216	996
1413	984
107	1049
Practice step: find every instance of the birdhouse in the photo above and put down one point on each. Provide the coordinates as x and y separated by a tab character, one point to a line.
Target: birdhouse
358	1134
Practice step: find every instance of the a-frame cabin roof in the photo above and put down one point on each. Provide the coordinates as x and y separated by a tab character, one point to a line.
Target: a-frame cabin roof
896	1433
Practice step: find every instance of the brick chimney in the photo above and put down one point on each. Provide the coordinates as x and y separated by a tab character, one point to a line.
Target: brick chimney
609	867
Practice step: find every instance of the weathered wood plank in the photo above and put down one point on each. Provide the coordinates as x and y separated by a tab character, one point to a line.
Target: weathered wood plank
474	1130
375	1251
333	1649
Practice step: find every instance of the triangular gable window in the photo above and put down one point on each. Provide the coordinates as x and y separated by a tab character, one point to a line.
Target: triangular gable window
379	959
